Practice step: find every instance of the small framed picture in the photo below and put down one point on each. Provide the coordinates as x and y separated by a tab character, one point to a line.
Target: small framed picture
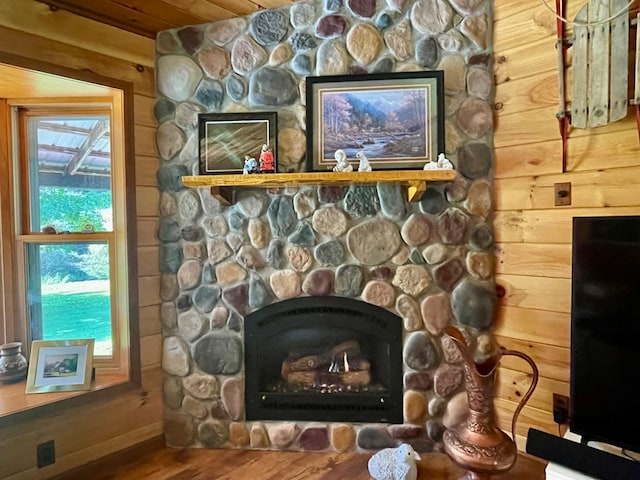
396	120
231	143
60	365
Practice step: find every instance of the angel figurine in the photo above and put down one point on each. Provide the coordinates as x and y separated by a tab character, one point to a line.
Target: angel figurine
342	165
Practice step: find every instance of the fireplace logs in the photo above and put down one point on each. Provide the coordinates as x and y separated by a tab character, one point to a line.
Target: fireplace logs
318	359
341	366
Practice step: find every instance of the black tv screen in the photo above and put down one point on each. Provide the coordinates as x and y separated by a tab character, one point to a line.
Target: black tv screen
605	330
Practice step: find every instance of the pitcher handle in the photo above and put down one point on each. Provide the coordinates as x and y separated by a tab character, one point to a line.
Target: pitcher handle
525	398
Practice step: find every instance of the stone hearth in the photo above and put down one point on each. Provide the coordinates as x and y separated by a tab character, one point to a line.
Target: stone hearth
430	262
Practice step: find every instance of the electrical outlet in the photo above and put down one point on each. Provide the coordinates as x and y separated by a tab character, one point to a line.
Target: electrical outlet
560	409
562	194
46	453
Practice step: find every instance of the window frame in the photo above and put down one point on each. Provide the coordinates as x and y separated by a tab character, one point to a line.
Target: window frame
109	386
7	239
117	362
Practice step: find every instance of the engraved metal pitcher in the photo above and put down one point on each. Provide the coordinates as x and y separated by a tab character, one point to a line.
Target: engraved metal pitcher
476	444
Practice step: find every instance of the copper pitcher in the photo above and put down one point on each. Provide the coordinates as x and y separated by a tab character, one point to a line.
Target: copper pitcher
476	444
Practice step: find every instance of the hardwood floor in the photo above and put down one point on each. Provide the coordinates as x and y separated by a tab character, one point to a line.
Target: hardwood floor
154	461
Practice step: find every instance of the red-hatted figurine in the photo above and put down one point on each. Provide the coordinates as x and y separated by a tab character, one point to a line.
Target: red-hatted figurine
266	160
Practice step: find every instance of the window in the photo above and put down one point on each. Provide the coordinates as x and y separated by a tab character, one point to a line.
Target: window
69	229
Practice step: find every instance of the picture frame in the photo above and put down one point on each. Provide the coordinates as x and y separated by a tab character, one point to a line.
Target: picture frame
396	119
60	365
226	139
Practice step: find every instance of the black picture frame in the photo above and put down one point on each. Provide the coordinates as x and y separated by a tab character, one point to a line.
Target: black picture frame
397	119
225	139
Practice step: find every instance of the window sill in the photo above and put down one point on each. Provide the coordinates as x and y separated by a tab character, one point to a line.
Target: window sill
16	405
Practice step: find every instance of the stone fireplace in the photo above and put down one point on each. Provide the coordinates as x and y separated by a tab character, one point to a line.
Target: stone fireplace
323	359
227	270
336	281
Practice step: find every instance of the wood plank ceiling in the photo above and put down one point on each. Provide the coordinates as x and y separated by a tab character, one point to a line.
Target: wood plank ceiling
148	17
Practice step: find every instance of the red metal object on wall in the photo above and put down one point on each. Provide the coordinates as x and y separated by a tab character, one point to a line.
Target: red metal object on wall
561	46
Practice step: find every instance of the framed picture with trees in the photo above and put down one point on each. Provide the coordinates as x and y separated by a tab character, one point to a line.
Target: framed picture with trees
395	119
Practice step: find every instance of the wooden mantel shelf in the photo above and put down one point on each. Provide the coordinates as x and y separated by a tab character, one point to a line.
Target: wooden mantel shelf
222	186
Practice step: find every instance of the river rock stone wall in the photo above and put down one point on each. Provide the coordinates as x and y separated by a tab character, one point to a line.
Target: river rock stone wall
430	262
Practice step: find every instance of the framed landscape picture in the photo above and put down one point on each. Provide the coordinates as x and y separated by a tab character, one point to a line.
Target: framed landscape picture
60	365
396	119
228	140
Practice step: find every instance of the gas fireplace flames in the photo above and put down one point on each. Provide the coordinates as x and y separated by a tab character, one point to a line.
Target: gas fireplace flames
338	366
338	370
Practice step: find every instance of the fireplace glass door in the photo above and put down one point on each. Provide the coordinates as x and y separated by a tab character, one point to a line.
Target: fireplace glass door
323	359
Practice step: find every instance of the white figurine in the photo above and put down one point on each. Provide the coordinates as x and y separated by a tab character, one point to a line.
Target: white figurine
394	463
431	166
364	162
444	163
342	165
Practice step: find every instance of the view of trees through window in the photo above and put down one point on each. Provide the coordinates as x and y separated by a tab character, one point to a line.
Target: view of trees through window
71	210
70	199
75	276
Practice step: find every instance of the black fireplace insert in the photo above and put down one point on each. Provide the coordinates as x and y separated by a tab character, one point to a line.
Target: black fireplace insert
323	359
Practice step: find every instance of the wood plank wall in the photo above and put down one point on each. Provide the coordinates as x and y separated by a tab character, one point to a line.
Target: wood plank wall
30	29
533	236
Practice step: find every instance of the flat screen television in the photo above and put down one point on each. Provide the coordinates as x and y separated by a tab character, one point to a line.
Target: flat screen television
605	330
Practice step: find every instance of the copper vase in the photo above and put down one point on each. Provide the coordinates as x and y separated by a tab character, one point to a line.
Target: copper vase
476	444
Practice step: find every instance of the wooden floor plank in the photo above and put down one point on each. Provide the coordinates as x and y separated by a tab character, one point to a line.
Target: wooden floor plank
152	460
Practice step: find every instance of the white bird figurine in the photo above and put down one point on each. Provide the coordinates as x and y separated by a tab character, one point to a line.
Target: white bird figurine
394	463
364	162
